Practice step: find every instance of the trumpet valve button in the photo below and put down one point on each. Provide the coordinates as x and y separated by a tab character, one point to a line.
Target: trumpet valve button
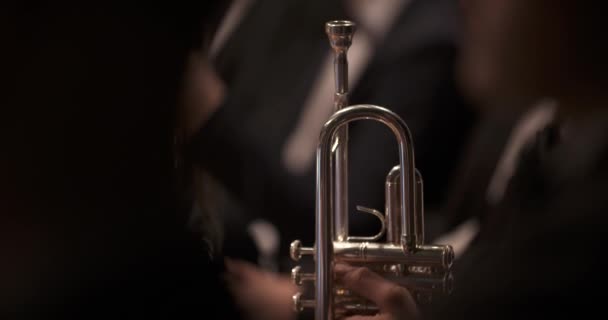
299	304
298	277
296	250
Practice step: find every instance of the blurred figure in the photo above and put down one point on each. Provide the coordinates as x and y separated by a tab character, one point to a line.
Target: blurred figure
95	194
488	165
274	66
539	249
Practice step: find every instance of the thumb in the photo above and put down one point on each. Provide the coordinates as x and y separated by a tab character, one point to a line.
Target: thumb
239	269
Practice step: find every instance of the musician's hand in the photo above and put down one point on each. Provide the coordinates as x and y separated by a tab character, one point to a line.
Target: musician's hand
262	295
395	302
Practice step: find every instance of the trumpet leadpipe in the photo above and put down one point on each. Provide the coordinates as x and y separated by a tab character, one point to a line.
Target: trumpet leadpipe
437	257
340	34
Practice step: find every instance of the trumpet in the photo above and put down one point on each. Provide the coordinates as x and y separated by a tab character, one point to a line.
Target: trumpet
402	257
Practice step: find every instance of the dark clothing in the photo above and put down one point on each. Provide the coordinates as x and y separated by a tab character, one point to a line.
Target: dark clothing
94	89
477	165
540	252
175	282
410	73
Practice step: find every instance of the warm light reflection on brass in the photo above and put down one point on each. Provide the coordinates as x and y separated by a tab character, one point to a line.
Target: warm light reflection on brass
403	258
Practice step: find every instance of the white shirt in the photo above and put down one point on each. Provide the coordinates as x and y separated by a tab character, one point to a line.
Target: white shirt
374	18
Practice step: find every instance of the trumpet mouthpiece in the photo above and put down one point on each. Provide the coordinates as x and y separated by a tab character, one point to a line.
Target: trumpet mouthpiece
340	33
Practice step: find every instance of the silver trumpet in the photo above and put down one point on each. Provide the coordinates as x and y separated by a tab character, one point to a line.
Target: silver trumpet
404	257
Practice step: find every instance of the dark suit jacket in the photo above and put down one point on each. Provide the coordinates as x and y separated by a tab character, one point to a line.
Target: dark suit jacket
269	67
539	253
467	191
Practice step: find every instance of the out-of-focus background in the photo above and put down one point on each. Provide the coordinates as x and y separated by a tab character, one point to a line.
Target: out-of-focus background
158	160
273	72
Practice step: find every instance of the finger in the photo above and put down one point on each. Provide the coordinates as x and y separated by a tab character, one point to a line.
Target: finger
341	269
241	269
235	265
376	317
385	294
